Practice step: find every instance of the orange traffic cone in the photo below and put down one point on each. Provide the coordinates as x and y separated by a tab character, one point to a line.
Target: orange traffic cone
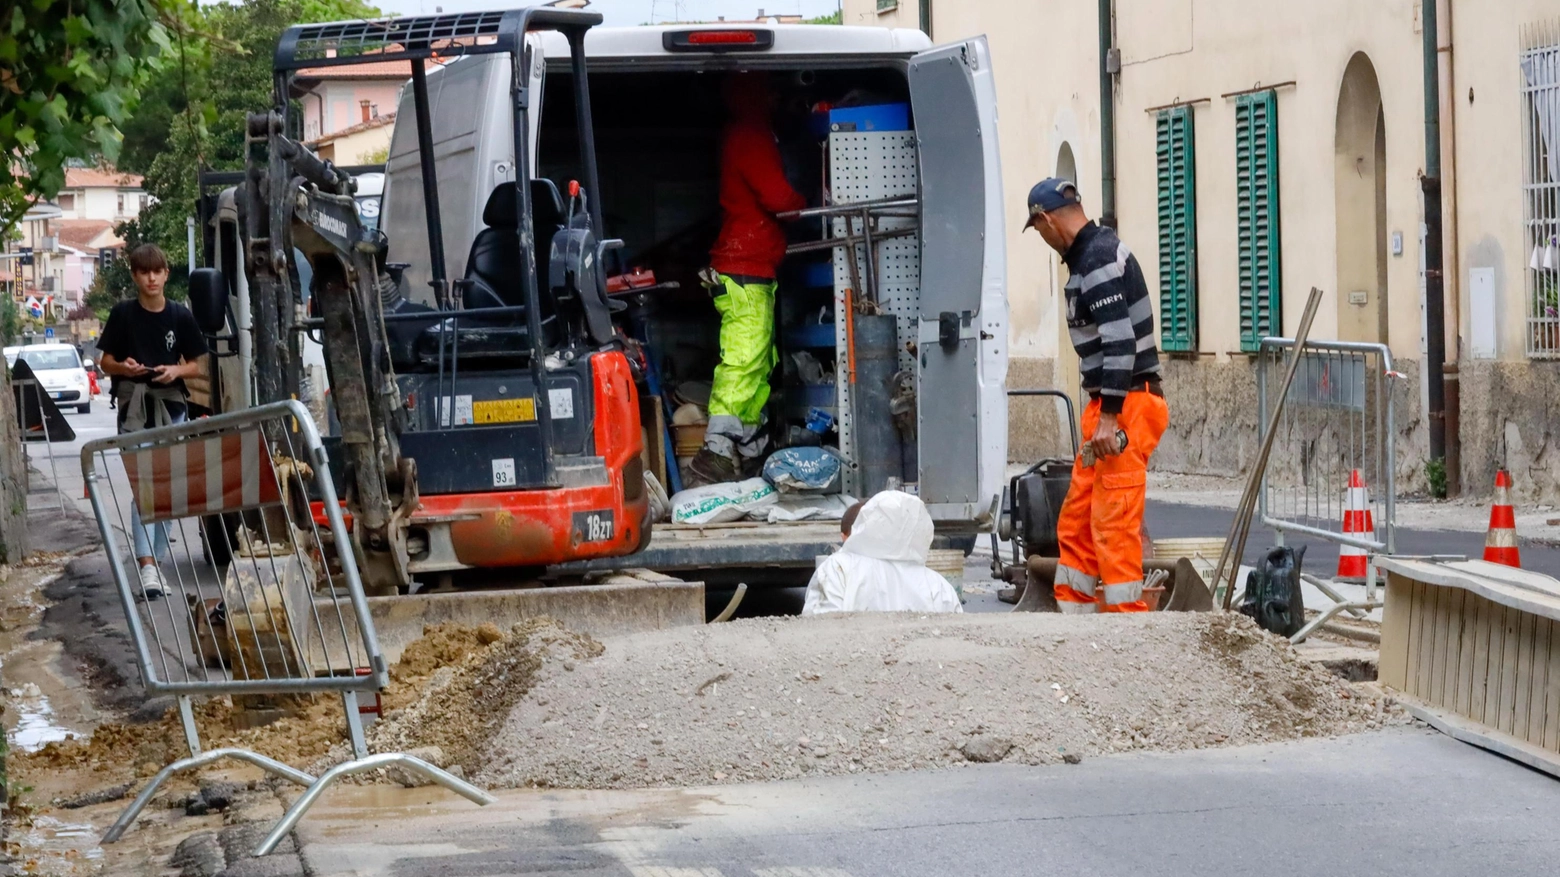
1356	522
1500	545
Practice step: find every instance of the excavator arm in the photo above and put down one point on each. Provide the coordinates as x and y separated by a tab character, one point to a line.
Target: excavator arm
305	205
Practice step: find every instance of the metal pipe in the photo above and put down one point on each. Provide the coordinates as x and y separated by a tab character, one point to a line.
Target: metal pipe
849	240
361	765
586	129
1452	272
269	765
520	93
430	185
1435	294
1107	118
851	208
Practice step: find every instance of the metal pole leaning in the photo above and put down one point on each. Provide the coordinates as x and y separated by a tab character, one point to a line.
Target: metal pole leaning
269	765
416	765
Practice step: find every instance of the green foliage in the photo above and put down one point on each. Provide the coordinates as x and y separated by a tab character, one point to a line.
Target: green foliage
835	17
1435	473
70	74
194	115
10	320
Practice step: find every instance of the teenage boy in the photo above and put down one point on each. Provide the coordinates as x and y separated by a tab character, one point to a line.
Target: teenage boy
149	346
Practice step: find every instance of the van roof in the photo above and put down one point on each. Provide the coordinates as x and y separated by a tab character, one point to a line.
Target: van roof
789	39
49	345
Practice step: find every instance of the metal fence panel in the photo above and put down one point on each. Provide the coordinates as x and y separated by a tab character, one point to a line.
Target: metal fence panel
228	585
1540	67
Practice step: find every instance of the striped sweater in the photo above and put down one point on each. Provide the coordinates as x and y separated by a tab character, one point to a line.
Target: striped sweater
1109	315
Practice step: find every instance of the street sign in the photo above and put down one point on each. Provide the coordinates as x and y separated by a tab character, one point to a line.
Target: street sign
48	332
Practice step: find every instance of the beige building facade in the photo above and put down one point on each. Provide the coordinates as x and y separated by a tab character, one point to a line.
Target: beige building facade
1296	142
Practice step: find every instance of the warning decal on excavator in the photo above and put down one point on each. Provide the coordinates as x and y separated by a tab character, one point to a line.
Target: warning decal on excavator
504	410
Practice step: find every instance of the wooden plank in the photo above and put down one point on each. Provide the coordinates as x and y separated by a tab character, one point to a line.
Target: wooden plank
1480	680
1537	699
1520	705
1447	608
1392	666
1552	692
1508	671
1419	651
1472	733
1495	629
1429	606
1472	617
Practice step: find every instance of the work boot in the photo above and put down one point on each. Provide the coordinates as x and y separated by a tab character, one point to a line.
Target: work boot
708	467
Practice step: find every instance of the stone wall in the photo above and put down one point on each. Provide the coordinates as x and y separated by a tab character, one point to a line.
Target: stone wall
1510	416
13	478
1213	419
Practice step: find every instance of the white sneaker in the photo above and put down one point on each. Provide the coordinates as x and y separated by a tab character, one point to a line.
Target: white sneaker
152	585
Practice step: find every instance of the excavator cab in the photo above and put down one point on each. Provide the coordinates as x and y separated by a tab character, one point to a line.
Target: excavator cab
492	420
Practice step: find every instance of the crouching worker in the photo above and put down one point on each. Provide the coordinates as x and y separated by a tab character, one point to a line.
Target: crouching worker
882	566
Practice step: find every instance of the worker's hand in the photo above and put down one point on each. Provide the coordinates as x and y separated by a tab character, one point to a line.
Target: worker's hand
1104	442
133	368
165	374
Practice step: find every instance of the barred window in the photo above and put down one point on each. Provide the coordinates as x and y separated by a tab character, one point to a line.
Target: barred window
1541	185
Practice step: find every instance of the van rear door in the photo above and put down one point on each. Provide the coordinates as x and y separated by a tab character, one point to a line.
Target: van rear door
962	335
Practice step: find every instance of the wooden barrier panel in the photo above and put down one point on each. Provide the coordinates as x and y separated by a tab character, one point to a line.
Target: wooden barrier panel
1473	648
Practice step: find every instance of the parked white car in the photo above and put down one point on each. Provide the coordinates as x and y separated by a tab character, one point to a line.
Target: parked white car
59	369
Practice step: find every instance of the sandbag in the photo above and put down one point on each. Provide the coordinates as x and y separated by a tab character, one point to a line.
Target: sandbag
718	503
803	469
805	508
1273	597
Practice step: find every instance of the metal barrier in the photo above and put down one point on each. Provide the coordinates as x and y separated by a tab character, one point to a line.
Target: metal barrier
31	398
1336	420
245	595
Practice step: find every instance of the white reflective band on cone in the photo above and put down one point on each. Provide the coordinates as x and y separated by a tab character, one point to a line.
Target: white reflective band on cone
1068	607
1126	592
1072	578
1500	537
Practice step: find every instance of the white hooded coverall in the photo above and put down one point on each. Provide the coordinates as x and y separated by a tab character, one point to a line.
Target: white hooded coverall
882	566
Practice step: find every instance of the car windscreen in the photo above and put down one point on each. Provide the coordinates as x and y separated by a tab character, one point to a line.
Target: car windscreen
41	360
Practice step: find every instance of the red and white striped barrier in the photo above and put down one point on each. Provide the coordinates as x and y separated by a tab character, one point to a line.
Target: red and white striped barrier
1352	561
1500	543
207	476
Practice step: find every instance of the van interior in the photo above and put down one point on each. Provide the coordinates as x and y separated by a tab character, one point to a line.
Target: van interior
658	138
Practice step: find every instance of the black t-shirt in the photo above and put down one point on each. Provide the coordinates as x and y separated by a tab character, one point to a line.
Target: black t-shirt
152	339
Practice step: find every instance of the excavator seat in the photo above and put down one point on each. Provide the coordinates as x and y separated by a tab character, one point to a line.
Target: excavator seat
492	280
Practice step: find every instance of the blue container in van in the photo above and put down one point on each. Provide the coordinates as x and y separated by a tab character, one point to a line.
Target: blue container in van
875	117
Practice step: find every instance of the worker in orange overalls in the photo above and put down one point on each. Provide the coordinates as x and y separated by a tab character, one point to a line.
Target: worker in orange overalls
1111	320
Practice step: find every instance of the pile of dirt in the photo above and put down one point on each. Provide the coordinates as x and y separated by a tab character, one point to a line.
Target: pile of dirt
767	699
300	740
463	703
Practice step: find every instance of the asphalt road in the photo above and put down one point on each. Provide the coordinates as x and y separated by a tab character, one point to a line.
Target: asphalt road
1401	802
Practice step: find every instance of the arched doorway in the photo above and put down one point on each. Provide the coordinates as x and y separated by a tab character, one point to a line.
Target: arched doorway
1066	166
1360	197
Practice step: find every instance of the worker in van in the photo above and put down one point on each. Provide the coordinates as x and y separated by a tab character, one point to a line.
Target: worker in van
1111	320
741	277
882	565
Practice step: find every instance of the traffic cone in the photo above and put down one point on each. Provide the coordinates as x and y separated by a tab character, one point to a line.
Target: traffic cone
1356	522
1500	544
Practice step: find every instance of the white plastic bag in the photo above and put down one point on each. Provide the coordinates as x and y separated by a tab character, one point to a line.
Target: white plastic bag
718	503
821	508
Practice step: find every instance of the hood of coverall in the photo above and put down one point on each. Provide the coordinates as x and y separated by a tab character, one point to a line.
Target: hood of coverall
893	525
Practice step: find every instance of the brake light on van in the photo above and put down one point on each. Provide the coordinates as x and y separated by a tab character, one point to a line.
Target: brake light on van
718	40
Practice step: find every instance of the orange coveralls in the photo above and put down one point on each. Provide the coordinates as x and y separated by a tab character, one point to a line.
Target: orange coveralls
1100	526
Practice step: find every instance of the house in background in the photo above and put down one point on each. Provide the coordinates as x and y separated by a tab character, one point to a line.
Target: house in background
349	112
68	235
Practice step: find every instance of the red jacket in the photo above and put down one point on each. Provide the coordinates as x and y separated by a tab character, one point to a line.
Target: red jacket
753	188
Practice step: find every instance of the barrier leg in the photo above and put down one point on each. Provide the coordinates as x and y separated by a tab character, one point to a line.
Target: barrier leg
268	765
1328	614
289	820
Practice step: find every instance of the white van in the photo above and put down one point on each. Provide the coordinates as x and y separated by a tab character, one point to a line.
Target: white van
59	369
919	122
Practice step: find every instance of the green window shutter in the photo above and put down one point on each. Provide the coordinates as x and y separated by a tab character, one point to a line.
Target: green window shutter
1256	193
1176	153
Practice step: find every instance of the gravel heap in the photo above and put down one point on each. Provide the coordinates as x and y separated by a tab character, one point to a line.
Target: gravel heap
767	699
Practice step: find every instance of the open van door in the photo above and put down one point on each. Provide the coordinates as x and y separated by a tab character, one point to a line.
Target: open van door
962	335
